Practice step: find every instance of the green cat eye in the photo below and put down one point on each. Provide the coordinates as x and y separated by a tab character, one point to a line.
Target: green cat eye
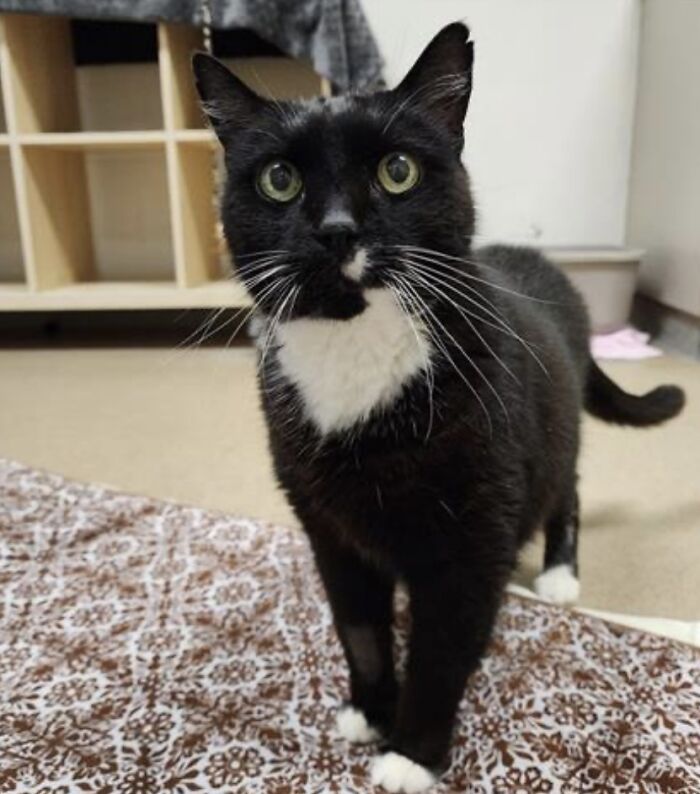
280	181
398	172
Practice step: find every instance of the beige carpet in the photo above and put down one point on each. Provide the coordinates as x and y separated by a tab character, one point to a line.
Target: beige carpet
187	427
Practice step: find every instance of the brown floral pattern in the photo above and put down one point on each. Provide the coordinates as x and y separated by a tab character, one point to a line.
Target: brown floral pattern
149	648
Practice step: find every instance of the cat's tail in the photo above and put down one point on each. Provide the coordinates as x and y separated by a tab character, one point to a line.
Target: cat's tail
607	401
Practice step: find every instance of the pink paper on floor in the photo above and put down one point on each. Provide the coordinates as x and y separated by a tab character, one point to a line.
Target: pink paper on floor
627	343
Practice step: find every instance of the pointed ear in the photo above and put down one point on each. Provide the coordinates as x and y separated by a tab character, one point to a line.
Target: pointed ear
227	101
441	78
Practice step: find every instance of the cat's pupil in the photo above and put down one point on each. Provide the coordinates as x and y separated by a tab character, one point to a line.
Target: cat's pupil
398	168
280	177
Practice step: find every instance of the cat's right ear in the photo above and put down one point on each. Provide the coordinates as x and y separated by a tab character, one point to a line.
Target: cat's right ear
227	101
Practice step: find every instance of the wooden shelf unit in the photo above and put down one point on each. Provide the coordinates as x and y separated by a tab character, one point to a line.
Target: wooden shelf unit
84	207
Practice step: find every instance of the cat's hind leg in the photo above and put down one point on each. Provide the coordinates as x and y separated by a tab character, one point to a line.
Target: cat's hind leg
558	582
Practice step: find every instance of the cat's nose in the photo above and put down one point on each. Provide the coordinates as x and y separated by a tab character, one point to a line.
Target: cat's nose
337	229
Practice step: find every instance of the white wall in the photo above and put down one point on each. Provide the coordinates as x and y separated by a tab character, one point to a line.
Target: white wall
664	213
550	123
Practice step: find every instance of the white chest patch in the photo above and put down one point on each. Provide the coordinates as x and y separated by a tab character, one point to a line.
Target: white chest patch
344	369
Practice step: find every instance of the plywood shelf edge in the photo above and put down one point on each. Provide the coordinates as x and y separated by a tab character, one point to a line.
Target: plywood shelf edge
93	140
117	295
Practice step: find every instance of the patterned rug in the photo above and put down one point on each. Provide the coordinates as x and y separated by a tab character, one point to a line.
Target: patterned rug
150	648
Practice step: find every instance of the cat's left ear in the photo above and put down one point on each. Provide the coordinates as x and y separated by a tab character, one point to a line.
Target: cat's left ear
441	79
227	101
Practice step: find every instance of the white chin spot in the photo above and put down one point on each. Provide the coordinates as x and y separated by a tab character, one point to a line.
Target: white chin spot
558	585
395	772
355	268
353	726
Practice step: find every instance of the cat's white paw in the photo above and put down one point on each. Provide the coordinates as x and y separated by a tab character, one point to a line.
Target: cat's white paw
558	585
396	773
353	726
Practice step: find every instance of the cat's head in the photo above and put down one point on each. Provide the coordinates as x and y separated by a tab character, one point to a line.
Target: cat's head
325	198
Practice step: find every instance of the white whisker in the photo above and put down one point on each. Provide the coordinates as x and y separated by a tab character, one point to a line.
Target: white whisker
503	326
466	316
418	253
430	314
403	299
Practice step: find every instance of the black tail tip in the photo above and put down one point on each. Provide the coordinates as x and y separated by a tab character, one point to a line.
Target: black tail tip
665	402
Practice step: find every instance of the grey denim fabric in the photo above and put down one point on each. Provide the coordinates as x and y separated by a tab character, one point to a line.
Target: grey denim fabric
333	34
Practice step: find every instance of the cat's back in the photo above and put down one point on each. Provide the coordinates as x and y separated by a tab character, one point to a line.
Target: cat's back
540	295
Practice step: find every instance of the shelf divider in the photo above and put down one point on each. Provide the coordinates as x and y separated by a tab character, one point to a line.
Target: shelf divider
7	83
176	43
196	214
190	168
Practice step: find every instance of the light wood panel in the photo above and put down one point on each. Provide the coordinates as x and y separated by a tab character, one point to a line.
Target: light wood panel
176	43
122	295
80	141
14	188
199	137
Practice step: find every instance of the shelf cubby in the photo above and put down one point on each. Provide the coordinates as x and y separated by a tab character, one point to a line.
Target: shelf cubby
43	99
70	96
58	238
132	240
102	75
107	168
91	230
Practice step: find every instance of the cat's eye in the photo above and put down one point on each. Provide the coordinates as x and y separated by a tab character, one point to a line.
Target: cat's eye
280	181
398	172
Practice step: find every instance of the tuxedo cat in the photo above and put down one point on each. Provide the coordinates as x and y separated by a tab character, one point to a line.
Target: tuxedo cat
423	397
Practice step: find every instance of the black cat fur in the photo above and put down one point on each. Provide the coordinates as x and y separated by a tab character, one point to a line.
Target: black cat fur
438	498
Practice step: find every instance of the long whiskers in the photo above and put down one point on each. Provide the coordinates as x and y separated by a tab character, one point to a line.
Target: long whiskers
275	317
408	307
431	322
247	311
466	315
500	324
436	257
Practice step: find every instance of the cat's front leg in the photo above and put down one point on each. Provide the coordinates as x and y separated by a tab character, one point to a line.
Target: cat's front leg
453	609
361	599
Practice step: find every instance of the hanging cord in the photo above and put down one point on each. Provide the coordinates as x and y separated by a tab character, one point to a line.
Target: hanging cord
205	16
217	177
